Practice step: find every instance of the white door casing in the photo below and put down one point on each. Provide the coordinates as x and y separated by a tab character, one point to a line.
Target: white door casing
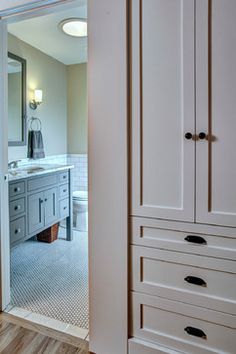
4	211
216	112
163	109
108	178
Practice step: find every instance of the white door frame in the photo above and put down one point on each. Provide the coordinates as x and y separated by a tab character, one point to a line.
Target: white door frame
108	166
4	213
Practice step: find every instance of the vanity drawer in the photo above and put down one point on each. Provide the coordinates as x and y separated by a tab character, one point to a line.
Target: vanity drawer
17	230
16	189
64	191
17	207
145	232
64	208
197	280
64	177
187	328
42	182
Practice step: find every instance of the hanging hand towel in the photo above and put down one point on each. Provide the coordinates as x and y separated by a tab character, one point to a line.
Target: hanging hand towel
35	145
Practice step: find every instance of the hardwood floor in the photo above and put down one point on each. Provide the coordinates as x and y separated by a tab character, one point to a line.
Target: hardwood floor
18	336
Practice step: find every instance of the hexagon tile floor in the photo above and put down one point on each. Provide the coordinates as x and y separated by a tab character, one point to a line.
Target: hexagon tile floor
52	279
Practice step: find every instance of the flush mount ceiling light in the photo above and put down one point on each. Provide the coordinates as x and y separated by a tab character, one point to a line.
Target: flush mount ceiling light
75	27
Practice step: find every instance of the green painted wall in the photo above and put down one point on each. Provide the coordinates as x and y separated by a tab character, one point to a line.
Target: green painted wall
48	74
77	109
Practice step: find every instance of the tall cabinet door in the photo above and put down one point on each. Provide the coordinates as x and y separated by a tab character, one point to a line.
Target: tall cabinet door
162	108
216	111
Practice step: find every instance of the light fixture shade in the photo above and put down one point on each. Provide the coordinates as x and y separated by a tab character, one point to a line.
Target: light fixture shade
38	96
75	27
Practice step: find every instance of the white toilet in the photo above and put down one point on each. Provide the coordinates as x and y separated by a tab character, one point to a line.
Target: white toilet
80	210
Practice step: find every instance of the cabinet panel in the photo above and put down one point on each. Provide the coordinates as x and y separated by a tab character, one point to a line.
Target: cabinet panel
201	281
51	209
216	112
42	182
16	189
17	230
163	235
64	191
162	108
187	328
17	207
35	212
64	208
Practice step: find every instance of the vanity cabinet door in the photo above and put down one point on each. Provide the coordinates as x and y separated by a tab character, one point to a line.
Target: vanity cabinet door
35	212
50	206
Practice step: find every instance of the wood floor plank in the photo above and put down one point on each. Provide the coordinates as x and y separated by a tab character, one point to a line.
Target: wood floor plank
64	337
16	338
7	333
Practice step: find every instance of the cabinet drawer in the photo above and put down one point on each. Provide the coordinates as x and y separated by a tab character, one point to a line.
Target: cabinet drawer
137	346
145	232
63	191
17	230
183	327
16	189
201	281
42	182
17	207
64	208
64	177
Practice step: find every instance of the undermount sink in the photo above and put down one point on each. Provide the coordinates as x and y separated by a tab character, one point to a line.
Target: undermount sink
31	169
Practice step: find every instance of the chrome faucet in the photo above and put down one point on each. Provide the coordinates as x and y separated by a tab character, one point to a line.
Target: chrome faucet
13	164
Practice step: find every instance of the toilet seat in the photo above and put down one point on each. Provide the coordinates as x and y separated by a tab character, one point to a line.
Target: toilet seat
80	196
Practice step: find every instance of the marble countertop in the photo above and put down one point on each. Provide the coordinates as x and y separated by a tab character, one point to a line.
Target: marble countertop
32	170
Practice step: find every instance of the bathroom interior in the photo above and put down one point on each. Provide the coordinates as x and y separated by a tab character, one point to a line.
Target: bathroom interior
47	154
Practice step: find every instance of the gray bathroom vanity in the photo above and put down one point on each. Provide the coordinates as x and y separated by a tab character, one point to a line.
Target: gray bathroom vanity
39	200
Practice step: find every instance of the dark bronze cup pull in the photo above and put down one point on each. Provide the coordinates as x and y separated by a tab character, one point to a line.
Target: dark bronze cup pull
196	239
195	280
192	331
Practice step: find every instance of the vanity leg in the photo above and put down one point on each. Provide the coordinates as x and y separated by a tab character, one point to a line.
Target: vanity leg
69	220
69	228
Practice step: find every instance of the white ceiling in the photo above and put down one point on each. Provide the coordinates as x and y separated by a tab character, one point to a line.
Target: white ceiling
43	33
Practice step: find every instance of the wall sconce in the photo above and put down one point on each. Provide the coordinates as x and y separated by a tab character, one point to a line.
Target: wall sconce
38	99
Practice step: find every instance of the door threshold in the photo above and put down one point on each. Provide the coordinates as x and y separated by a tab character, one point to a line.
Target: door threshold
59	330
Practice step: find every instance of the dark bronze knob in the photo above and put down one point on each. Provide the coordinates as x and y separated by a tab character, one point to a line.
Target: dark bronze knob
188	135
202	135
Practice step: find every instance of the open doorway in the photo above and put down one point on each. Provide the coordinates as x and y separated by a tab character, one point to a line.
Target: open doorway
48	199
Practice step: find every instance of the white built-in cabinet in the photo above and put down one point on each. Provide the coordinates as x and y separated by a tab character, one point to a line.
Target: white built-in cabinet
163	108
183	176
184	81
216	112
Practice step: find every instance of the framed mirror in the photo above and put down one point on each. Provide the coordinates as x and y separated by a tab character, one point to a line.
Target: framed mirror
16	100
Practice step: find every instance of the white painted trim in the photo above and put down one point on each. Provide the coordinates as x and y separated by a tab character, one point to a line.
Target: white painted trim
107	151
32	5
108	175
4	212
